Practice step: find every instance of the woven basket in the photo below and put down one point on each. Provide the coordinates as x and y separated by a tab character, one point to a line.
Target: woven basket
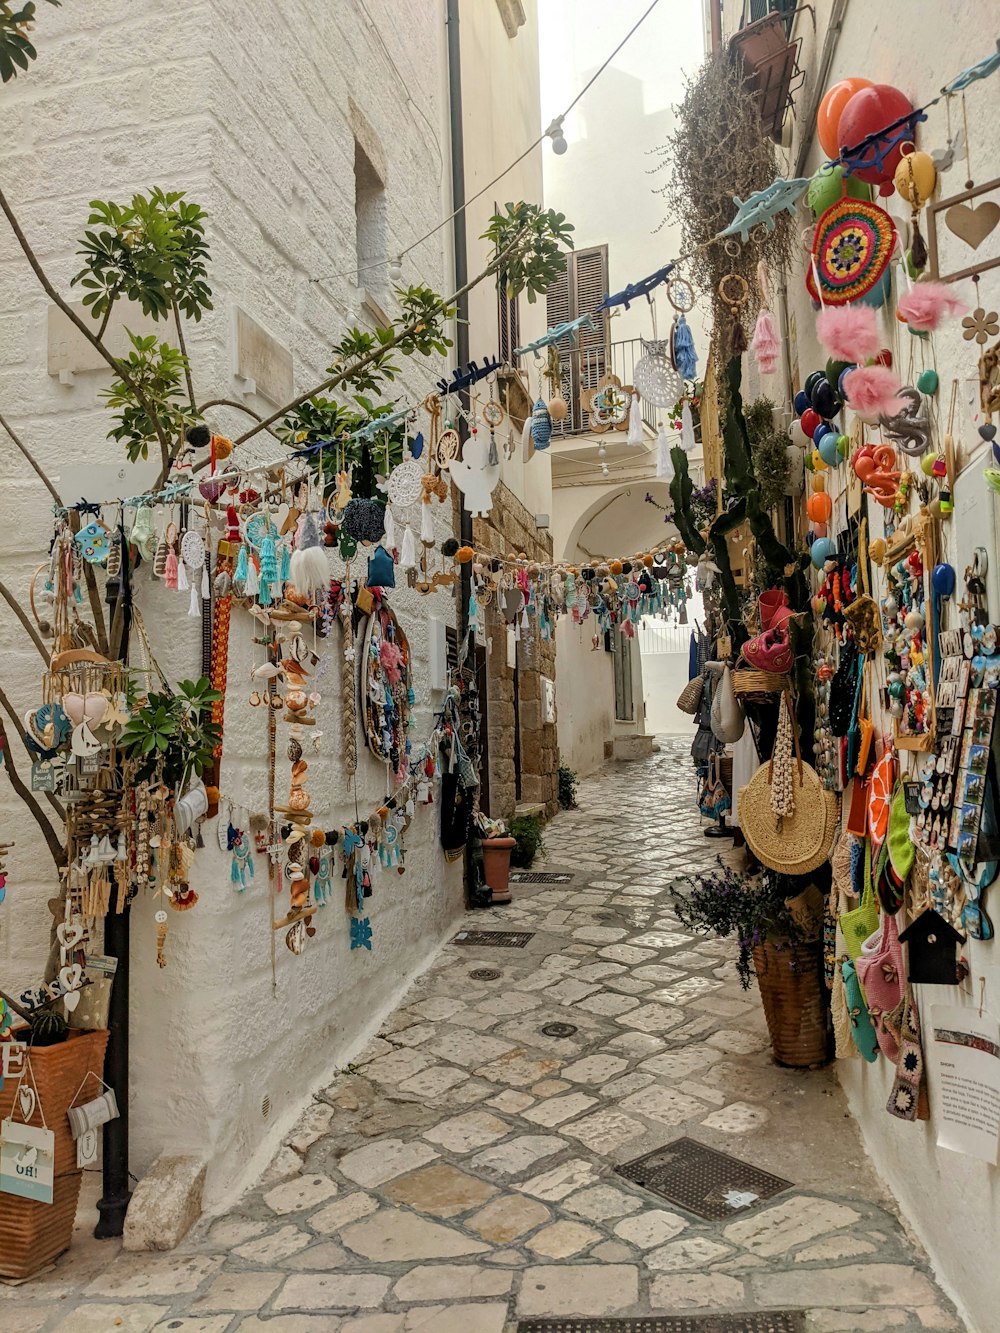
790	977
749	683
32	1234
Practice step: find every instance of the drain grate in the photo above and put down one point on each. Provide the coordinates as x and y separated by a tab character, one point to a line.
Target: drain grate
485	974
765	1321
559	1029
701	1180
539	877
495	939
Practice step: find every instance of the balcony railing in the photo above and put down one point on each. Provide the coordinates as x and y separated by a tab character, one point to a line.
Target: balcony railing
585	368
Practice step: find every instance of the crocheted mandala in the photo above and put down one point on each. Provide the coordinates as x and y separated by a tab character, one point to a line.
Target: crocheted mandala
852	246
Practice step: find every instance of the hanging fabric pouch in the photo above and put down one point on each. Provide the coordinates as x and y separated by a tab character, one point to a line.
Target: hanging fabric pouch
862	1032
880	971
713	800
727	716
857	813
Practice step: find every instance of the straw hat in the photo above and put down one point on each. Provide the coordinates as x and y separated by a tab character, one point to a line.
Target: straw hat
792	844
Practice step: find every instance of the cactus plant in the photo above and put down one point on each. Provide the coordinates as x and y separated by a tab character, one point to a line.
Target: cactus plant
48	1028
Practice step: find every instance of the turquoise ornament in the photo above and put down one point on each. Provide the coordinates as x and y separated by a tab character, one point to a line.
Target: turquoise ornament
541	425
829	449
927	382
822	549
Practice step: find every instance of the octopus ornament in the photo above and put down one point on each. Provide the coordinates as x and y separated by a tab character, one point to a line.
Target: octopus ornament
874	466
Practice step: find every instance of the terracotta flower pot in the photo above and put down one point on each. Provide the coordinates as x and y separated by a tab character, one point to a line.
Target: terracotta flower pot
496	866
32	1234
790	977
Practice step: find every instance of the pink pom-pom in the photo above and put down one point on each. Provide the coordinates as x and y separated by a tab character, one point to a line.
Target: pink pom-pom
872	392
766	344
928	304
849	332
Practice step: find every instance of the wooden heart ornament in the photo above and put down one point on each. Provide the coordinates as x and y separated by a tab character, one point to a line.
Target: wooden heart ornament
26	1100
972	225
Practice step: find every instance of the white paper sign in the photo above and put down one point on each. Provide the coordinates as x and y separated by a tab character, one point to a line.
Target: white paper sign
27	1161
964	1053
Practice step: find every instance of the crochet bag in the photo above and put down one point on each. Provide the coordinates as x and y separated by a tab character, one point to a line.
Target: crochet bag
713	799
881	973
862	1032
861	922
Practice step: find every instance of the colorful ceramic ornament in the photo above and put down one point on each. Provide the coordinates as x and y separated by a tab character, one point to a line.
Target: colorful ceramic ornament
910	428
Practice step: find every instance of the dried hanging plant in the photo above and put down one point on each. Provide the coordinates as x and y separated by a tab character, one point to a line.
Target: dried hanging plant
720	149
769	449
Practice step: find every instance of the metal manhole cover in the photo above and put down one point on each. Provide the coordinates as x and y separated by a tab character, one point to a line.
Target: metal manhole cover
765	1321
539	877
485	974
495	939
701	1180
559	1029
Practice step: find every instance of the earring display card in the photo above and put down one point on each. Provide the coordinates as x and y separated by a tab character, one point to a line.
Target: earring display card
27	1161
970	788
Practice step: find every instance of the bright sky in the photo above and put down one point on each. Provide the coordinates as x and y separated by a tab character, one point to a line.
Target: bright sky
602	183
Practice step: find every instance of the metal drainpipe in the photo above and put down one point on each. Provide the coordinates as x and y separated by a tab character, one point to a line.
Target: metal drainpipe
113	1204
461	276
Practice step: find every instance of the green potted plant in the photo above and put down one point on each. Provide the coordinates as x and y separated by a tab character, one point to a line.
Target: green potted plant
778	932
172	735
526	830
568	782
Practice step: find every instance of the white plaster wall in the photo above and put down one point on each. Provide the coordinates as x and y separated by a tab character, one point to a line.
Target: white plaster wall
664	675
952	1202
585	697
246	107
501	117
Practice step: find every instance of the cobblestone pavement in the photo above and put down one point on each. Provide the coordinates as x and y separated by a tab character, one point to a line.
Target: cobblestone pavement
460	1175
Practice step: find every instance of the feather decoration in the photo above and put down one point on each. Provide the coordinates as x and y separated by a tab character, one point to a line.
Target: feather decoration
636	434
849	332
872	392
927	304
766	343
664	467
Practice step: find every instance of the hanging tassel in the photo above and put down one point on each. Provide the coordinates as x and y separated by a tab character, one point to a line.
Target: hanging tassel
685	357
737	338
240	574
170	569
635	431
194	604
766	343
426	525
408	551
205	590
389	536
182	577
251	580
688	442
664	467
286	564
493	459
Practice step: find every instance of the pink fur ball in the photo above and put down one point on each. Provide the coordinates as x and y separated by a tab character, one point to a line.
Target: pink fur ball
849	332
928	304
872	392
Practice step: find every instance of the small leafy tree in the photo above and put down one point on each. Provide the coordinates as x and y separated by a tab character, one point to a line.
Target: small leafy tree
16	50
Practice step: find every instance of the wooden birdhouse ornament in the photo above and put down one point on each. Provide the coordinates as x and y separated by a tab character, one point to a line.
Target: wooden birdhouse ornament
931	944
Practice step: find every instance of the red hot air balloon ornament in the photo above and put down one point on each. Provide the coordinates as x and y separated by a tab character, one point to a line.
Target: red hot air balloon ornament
875	113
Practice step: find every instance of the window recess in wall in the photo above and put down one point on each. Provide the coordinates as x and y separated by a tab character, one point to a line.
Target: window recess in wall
371	232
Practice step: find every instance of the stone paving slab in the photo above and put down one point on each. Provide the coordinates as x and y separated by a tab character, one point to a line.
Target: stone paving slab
460	1173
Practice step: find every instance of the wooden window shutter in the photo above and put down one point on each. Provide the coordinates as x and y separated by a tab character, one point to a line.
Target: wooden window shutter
579	290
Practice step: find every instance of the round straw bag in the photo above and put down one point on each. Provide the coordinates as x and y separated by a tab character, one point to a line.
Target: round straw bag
796	843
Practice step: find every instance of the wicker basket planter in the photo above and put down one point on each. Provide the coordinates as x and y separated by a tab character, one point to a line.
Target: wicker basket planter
32	1234
790	977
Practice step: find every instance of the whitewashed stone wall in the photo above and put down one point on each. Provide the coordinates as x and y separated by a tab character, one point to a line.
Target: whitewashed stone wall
917	46
253	110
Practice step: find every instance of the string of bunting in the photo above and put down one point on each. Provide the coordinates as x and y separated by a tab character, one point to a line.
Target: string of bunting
758	209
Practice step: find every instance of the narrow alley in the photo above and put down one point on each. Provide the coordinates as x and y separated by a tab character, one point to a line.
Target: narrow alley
465	1172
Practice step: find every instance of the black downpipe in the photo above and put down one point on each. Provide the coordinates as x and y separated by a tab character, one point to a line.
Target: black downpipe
113	1204
462	353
